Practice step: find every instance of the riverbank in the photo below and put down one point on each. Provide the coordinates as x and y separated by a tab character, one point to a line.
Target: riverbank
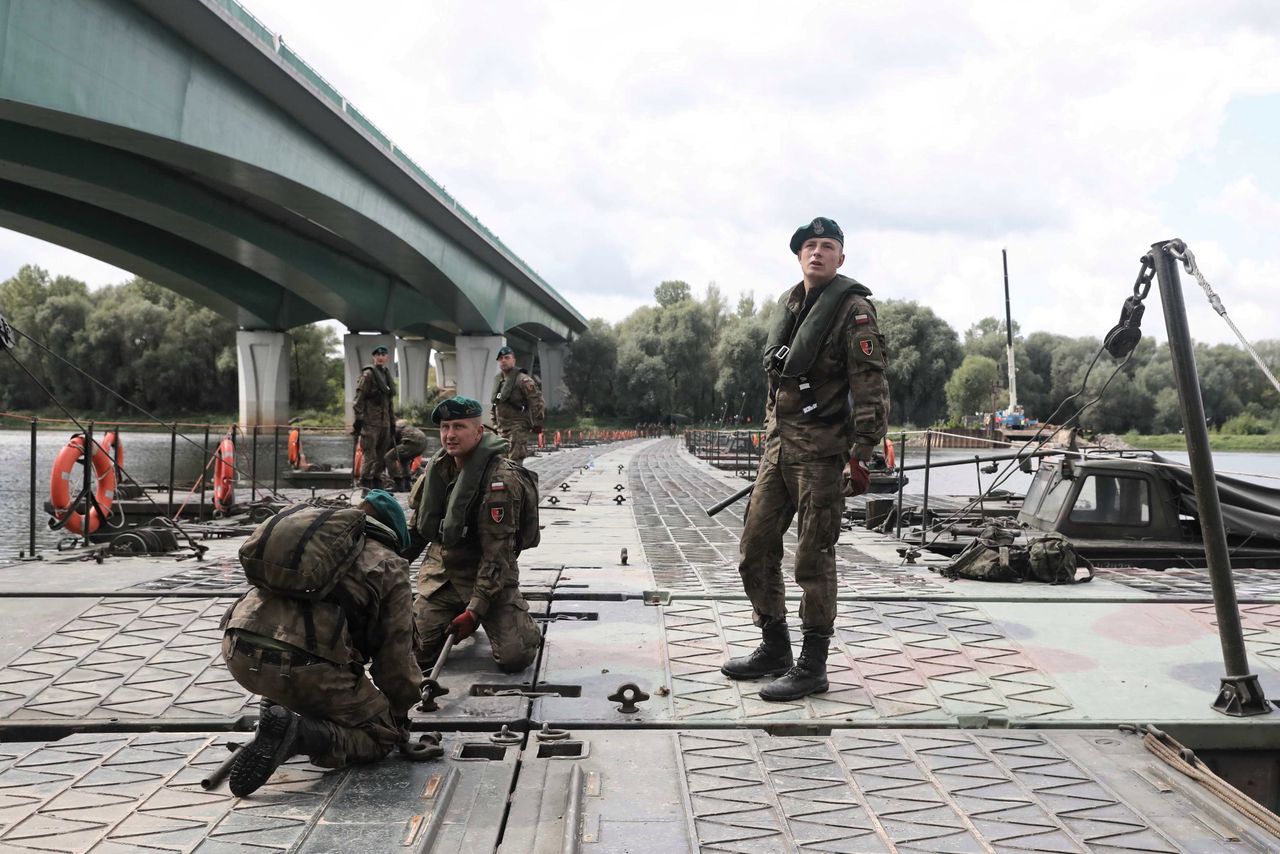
1217	441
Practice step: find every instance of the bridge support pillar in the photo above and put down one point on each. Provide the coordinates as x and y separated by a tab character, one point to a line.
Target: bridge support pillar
263	360
414	357
357	351
447	369
477	357
551	355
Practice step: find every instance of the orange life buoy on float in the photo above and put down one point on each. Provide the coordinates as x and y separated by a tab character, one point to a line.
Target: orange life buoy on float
224	475
358	463
64	472
889	459
295	448
115	451
416	464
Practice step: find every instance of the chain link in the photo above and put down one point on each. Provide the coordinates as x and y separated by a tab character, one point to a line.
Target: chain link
1179	250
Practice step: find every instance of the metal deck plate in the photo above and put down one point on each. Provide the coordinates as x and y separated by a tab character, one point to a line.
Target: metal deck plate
159	659
920	791
126	793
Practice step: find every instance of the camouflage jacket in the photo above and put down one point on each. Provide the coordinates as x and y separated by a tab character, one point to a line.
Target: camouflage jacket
379	633
517	400
411	441
849	366
484	563
375	393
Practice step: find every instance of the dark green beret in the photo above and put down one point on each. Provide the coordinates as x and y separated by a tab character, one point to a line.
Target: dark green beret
381	348
506	351
820	227
455	408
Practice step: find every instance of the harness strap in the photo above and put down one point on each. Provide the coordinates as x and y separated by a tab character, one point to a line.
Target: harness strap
266	532
308	534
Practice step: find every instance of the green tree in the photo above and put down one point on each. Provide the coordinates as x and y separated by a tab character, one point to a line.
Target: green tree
591	367
970	387
315	376
923	352
741	380
671	292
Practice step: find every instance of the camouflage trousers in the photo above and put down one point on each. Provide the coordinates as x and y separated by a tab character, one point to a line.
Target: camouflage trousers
518	436
375	442
398	460
513	635
358	715
810	492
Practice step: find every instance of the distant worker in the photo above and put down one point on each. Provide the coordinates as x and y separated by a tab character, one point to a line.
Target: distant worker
410	443
374	410
307	654
478	511
828	405
517	405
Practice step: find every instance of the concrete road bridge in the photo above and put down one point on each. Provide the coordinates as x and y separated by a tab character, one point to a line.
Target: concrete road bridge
185	142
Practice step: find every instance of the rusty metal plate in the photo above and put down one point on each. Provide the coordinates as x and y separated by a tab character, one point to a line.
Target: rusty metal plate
918	791
121	793
890	662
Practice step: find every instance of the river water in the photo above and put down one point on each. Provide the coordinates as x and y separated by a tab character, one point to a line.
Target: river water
147	460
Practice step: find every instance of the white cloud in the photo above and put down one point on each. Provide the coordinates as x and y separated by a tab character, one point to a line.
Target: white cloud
614	146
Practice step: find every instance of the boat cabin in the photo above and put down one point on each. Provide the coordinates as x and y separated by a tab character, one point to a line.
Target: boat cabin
1116	496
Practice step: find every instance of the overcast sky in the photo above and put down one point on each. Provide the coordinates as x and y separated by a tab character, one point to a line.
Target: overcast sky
616	145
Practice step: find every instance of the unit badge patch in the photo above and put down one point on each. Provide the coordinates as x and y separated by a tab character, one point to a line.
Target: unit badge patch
497	513
867	347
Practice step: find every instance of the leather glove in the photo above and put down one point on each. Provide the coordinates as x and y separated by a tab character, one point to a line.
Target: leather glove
464	625
859	477
356	427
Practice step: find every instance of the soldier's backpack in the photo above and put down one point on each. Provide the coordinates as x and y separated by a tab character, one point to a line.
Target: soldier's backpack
529	534
992	556
303	550
1053	559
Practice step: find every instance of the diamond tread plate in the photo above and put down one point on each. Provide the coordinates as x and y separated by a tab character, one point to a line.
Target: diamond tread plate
903	662
150	659
128	793
1187	583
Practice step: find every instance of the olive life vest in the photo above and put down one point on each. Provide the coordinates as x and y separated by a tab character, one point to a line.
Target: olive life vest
510	382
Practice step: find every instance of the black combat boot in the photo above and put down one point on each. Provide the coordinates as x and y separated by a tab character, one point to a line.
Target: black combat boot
808	676
271	746
771	658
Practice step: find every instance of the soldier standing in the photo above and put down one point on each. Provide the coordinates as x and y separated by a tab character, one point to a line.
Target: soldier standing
828	404
373	410
308	656
470	506
410	442
517	405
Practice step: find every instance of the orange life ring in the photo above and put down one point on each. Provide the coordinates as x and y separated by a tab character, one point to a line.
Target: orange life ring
115	451
104	477
889	459
358	462
295	448
224	475
416	464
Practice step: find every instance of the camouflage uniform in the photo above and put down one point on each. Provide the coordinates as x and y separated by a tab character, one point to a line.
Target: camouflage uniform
320	673
410	442
805	454
481	574
517	410
374	400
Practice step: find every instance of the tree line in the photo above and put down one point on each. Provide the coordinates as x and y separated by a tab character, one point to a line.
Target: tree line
699	358
147	343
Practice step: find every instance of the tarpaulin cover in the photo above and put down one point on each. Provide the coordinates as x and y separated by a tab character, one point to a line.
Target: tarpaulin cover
1249	510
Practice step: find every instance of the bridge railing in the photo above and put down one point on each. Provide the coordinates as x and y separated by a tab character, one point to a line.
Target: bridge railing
738	451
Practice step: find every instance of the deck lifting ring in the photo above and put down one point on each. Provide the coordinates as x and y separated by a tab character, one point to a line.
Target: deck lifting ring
505	736
564	487
629	695
618	499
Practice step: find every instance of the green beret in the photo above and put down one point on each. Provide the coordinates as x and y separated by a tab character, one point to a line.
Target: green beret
390	513
820	227
455	408
381	348
506	351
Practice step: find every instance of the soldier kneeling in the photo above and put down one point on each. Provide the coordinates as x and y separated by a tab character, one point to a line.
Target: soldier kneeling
330	594
477	510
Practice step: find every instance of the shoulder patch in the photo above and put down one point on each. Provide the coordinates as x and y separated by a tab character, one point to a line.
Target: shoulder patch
497	512
867	346
861	319
497	486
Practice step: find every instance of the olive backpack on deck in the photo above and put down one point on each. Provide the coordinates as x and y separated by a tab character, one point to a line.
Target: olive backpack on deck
302	551
994	556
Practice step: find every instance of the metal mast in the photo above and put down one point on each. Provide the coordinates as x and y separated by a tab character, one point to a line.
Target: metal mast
1008	328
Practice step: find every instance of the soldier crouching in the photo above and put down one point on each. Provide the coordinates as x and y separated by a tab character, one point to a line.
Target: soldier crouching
473	507
306	657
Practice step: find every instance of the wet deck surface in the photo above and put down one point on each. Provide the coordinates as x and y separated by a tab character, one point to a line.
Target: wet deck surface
962	716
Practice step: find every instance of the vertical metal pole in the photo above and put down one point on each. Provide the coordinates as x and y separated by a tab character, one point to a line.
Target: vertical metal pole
32	508
88	467
275	460
253	467
204	480
977	472
901	463
928	460
1240	693
173	459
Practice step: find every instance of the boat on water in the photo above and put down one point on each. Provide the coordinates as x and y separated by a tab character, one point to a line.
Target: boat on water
1134	508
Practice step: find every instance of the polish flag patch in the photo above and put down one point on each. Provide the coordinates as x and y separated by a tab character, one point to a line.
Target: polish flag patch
861	319
497	486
